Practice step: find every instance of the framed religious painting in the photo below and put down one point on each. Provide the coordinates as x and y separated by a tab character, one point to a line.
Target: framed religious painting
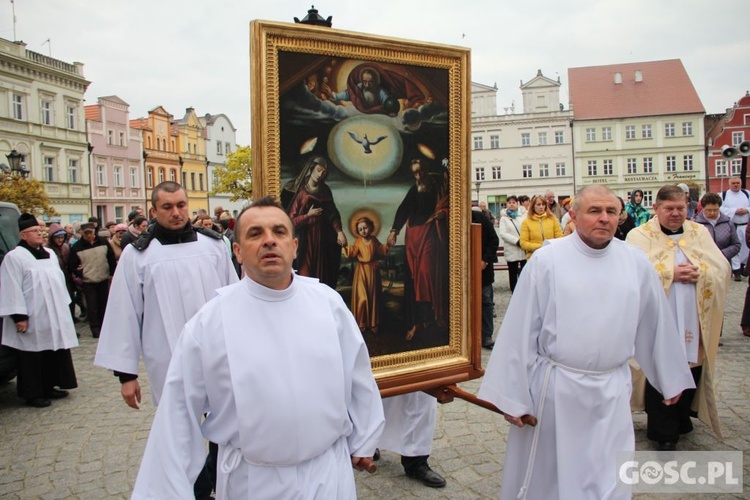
364	140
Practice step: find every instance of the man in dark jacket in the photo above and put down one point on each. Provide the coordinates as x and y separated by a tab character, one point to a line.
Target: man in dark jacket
490	242
719	225
92	260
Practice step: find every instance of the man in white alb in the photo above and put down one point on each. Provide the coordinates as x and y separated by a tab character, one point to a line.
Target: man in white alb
736	206
161	281
562	355
278	364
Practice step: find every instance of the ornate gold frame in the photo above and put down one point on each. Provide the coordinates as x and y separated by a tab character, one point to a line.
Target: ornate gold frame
460	360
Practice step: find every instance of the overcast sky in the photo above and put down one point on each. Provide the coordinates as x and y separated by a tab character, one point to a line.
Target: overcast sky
181	53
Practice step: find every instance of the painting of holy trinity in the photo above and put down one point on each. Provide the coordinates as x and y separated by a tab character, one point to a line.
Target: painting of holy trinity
364	172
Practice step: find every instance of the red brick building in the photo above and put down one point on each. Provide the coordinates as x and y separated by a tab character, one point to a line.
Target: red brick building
729	129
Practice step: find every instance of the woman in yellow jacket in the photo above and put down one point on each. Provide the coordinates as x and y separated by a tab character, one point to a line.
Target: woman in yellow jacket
541	224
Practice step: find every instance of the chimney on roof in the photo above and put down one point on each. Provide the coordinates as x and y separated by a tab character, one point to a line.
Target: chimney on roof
618	78
638	75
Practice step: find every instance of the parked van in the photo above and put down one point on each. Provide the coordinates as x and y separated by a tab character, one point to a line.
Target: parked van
9	238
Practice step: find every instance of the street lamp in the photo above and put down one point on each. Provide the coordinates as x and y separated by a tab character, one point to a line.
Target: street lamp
14	159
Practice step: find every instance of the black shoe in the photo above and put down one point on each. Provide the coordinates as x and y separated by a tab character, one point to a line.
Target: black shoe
488	345
38	402
667	446
376	455
57	394
428	476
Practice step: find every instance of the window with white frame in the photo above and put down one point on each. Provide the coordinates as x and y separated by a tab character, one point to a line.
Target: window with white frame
110	137
150	177
45	111
17	105
560	169
630	132
134	177
737	138
590	134
736	166
632	165
117	170
526	169
648	198
161	175
607	167
73	170
173	175
669	130
606	133
671	163
592	169
648	165
192	181
687	128
119	213
214	179
646	131
49	169
219	150
184	180
542	138
721	168
122	138
687	162
70	115
101	175
479	174
559	137
227	148
497	172
525	139
200	181
495	141
478	142
544	170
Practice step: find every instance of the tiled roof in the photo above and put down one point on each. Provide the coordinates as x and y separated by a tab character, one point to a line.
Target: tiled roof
665	89
140	123
93	112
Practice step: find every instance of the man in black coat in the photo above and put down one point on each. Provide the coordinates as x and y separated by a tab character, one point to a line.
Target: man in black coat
490	242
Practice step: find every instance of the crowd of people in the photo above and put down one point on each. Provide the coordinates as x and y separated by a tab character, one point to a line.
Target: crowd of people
146	290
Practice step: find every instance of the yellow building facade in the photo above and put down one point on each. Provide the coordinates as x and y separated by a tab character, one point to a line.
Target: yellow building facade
191	145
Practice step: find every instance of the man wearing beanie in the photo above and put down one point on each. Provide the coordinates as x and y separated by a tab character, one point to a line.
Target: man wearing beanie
34	304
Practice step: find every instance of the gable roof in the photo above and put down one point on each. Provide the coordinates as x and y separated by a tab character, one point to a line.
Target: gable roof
665	89
115	99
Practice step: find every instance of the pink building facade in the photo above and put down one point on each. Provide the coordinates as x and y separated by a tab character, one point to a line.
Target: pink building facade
116	160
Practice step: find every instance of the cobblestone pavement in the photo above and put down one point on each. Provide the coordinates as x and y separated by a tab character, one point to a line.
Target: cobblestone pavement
89	445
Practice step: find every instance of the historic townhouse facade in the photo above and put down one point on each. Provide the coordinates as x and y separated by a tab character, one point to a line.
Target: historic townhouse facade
637	125
220	137
525	153
117	178
730	129
192	148
42	117
160	154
